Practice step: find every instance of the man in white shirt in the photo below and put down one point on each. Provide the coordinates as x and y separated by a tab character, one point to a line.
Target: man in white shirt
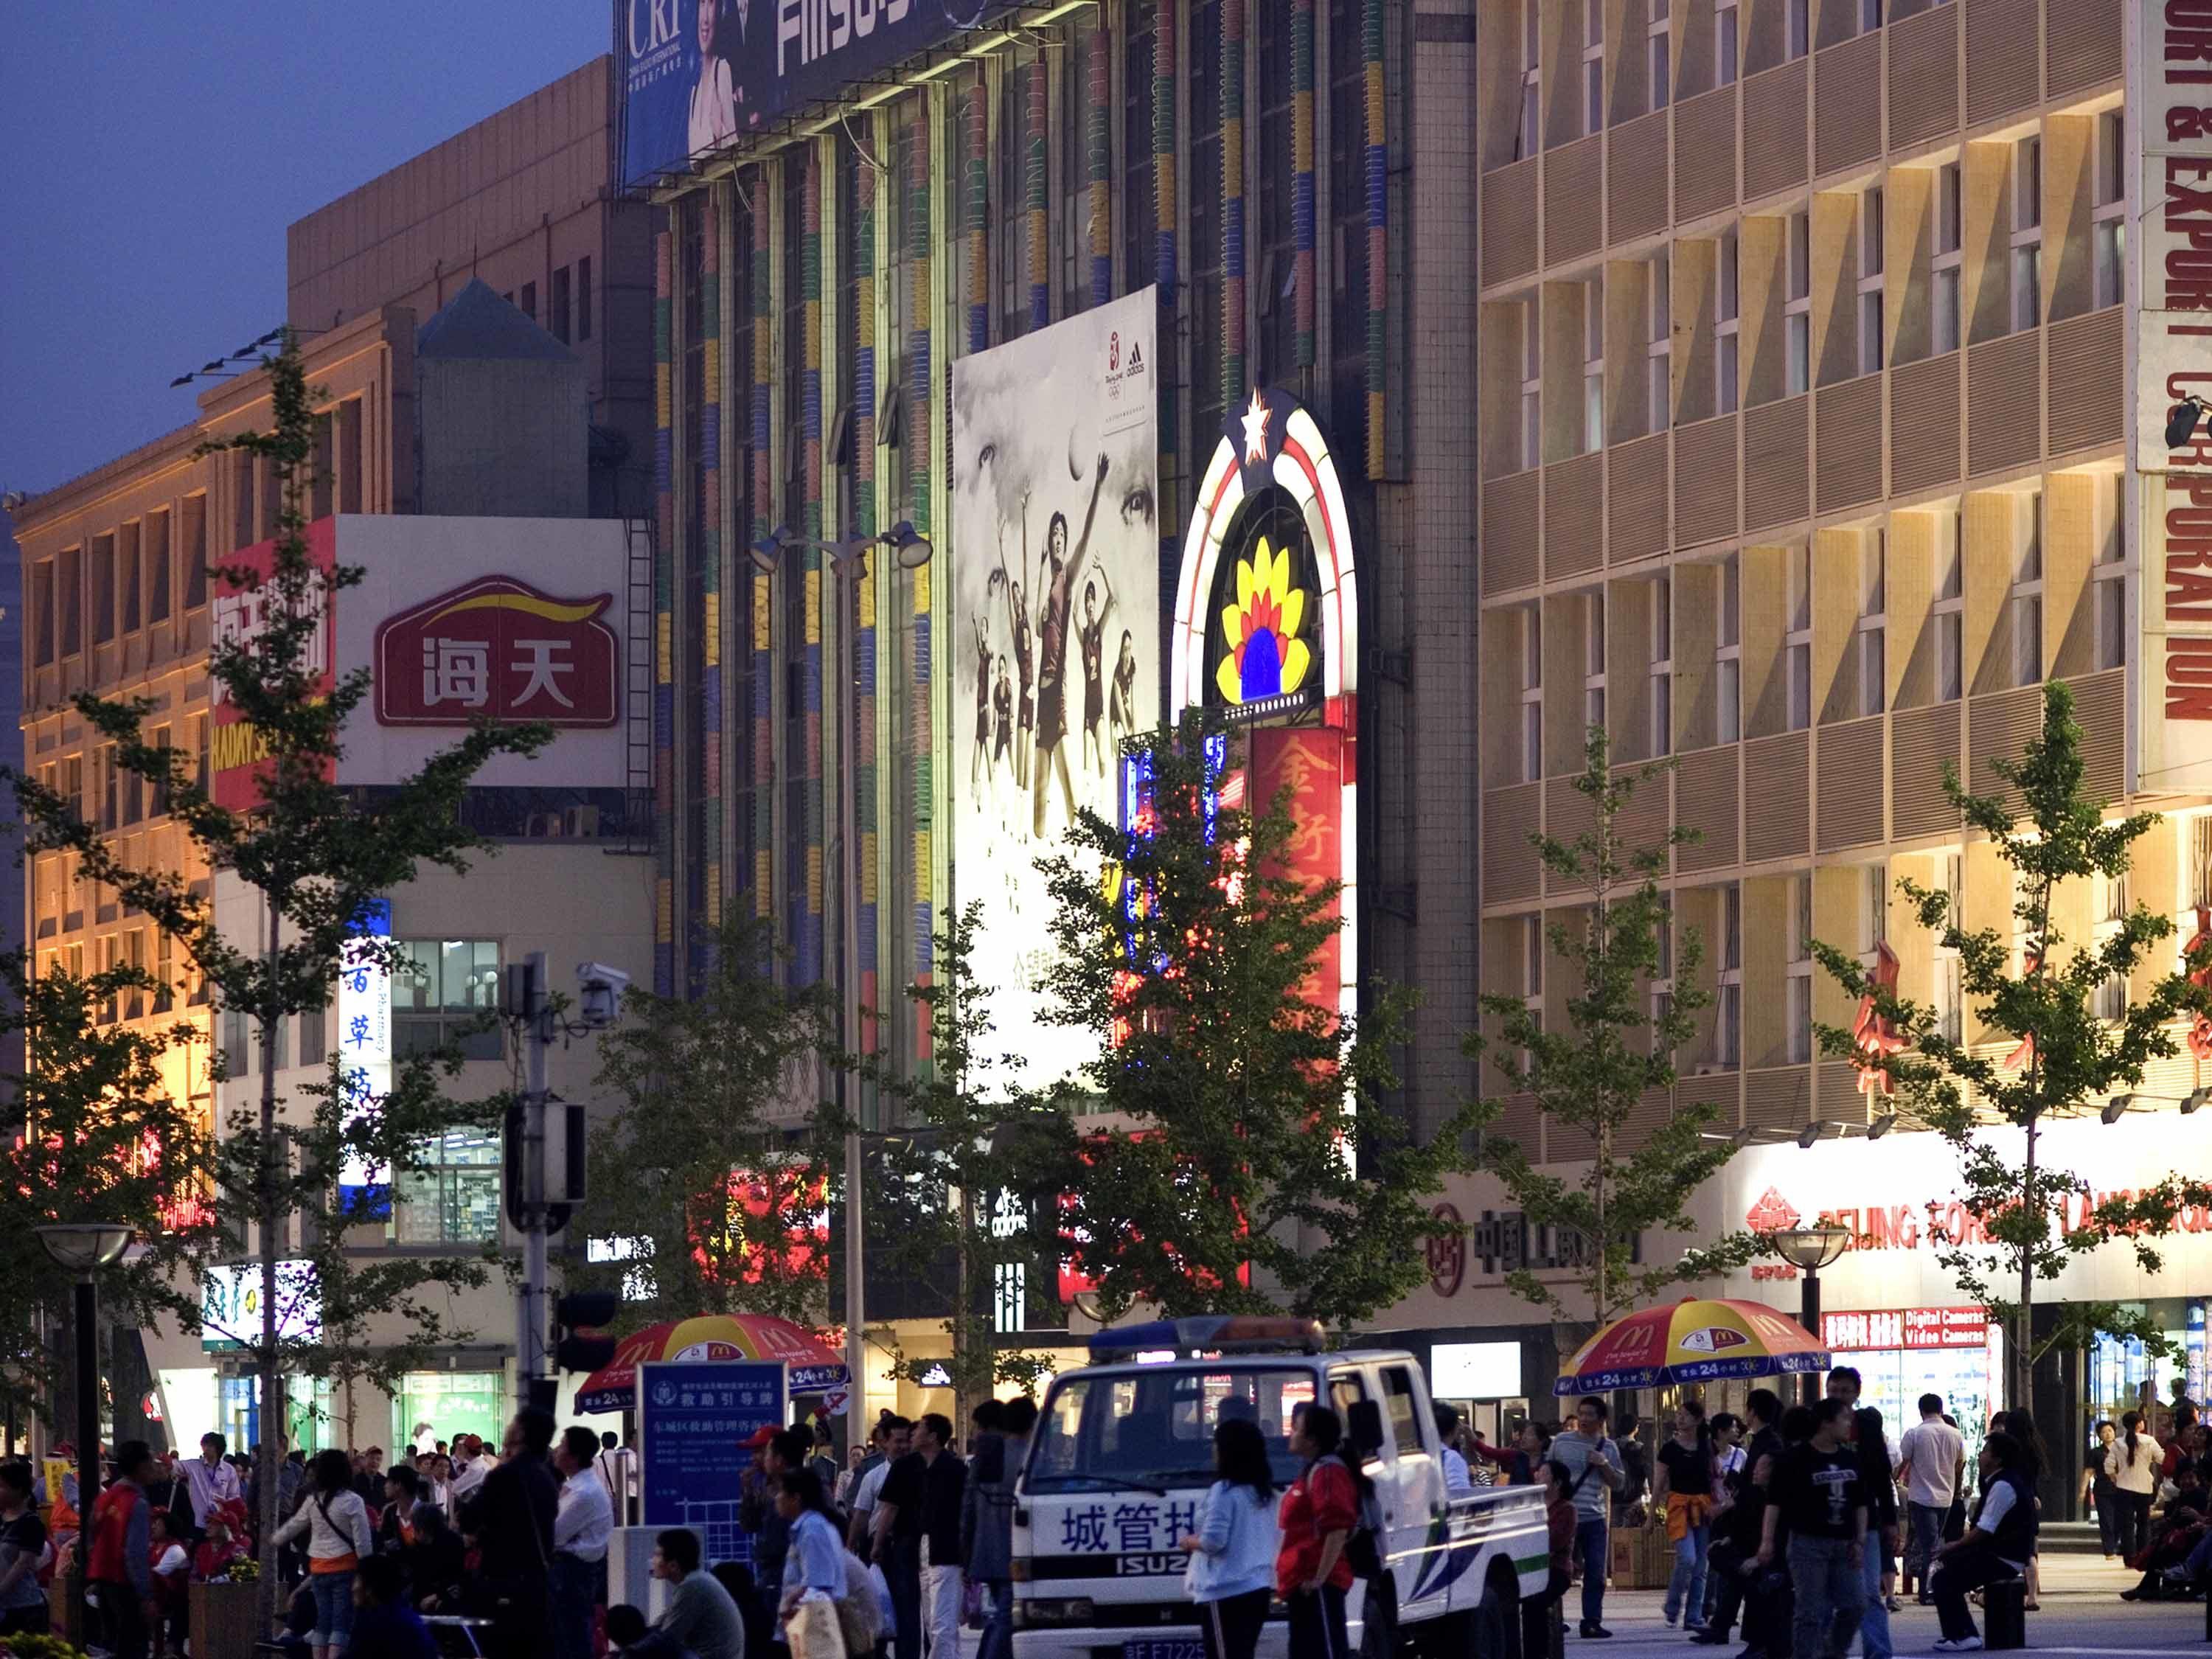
1458	1482
582	1527
471	1466
211	1482
870	1488
1928	1461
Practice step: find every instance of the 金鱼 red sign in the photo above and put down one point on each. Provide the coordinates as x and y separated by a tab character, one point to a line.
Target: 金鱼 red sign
498	649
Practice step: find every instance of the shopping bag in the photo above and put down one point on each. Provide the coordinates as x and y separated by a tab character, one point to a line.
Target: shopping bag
813	1630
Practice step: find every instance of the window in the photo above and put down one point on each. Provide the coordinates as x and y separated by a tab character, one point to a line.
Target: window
158	795
530	301
1525	142
1398	1401
1872	255
584	298
1728	1024
439	990
2109	216
128	584
1532	694
1800	28
1658	350
2108	574
1797	642
2027	234
1799	974
103	589
42	613
1949	611
243	514
453	1197
2199	869
1870	15
557	313
1659	48
69	601
237	1052
1728	657
1593	66
153	555
1593	367
1726	321
1797	310
1944	268
1663	666
2026	603
1532	387
1726	56
192	551
1947	999
1874	909
1594	658
1872	631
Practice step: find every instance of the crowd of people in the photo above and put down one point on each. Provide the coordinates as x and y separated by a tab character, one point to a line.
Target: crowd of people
2154	1500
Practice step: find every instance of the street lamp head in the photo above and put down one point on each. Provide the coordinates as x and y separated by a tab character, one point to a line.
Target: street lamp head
1809	1134
2181	421
1810	1249
1881	1126
767	553
81	1246
912	547
2117	1108
2195	1098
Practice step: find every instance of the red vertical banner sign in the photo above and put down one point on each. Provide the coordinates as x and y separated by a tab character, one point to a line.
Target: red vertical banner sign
1305	767
238	756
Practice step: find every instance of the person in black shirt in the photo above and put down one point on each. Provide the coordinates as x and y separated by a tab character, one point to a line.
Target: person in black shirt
1998	1546
23	1541
514	1521
1820	1496
896	1528
1738	1528
1878	1483
944	1488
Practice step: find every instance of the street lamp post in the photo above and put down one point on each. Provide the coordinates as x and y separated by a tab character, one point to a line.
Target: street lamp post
1810	1250
848	562
82	1247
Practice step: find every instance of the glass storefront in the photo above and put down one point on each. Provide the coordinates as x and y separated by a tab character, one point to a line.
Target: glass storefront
2120	1375
307	1424
452	1403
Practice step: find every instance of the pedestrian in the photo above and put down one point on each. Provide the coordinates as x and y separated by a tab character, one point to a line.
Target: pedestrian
470	1468
1818	1495
815	1563
1928	1461
1996	1547
2034	1458
335	1522
943	1569
987	1529
628	1635
170	1566
1540	1613
1878	1567
368	1480
1594	1462
1683	1484
1628	1502
518	1501
384	1625
2132	1463
583	1525
896	1526
1459	1481
1739	1529
847	1478
224	1546
700	1616
438	1565
117	1564
395	1521
890	1437
1318	1516
23	1550
1232	1552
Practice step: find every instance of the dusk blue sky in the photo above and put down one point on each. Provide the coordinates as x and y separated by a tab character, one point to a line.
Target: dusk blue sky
152	155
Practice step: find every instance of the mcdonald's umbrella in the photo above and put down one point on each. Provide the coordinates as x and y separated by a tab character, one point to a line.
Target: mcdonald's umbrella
1691	1341
813	1368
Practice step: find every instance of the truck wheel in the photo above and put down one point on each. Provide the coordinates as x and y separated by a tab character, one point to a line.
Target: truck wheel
1497	1621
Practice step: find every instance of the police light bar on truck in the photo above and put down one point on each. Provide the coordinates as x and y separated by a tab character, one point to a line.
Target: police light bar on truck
1211	1334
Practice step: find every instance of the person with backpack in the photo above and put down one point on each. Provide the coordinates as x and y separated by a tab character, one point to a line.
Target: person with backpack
1319	1515
1233	1551
336	1521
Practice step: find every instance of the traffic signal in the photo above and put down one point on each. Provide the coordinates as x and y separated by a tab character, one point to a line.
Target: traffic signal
580	1312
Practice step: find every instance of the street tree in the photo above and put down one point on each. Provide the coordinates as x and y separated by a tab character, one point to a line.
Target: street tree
1591	1072
1253	1162
311	858
713	1171
105	1138
2044	1049
970	1165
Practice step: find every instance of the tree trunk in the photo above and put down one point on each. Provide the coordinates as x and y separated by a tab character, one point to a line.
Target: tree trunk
963	1335
270	1453
2023	1350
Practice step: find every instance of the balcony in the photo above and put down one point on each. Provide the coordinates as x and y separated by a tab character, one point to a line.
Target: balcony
1704	148
2004	424
2004	61
1774	110
2087	47
1574	200
1574	515
1636	500
1851	792
1509	222
1777	788
1706	480
2086	388
1847	463
1847	105
1775	452
1635	177
1925	427
1923	78
1510	531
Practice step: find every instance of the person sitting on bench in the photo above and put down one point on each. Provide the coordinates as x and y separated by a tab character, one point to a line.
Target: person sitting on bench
1996	1547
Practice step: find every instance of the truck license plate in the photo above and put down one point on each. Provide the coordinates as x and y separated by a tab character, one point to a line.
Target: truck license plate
1162	1651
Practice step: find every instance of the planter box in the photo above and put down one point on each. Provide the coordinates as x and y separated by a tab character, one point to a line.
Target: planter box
222	1620
1642	1558
62	1610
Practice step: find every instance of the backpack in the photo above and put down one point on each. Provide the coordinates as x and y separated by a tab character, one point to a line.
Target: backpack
1364	1548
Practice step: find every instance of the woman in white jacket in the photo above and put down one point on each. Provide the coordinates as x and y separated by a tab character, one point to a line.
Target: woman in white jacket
336	1521
2132	1461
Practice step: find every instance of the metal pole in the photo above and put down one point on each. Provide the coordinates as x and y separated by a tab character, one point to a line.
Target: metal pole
1810	1384
848	974
530	1296
87	1443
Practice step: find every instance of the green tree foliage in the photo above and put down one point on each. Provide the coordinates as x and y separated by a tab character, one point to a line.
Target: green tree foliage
1249	1122
718	1195
311	855
1591	1072
2042	1050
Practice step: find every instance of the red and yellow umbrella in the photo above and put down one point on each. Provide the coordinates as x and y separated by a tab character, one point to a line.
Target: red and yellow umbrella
813	1368
1691	1341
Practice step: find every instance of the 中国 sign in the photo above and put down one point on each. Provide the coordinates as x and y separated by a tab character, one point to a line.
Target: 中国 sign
498	649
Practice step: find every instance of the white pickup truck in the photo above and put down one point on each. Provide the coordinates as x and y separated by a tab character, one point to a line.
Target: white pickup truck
1123	1455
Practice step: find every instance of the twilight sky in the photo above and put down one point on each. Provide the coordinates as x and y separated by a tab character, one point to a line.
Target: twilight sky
151	156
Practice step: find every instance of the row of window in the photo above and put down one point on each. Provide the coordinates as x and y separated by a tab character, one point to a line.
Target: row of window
127	579
568	302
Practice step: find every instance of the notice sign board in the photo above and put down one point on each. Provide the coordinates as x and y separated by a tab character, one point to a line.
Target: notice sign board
1884	1328
693	1417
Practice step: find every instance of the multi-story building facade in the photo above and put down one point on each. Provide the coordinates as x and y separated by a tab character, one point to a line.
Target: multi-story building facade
1803	365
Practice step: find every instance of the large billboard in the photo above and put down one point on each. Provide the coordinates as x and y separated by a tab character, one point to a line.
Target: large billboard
1055	632
699	72
2170	342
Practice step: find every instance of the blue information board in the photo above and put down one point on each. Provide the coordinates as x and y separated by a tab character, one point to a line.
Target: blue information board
693	1417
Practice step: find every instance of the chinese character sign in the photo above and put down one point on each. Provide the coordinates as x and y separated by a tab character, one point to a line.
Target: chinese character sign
364	1046
498	649
238	616
693	1417
1305	767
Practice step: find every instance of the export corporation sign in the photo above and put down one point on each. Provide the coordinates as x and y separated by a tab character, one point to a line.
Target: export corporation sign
498	649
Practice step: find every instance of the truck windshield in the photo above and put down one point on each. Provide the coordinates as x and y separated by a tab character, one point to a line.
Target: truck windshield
1154	1428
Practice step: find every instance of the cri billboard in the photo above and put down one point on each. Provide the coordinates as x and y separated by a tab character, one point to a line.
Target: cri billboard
458	620
1055	627
699	72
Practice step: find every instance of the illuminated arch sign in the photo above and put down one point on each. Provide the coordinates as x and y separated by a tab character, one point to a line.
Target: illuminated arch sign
1267	633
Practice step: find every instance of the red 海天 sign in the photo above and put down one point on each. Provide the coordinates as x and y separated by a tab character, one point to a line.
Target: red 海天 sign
499	649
